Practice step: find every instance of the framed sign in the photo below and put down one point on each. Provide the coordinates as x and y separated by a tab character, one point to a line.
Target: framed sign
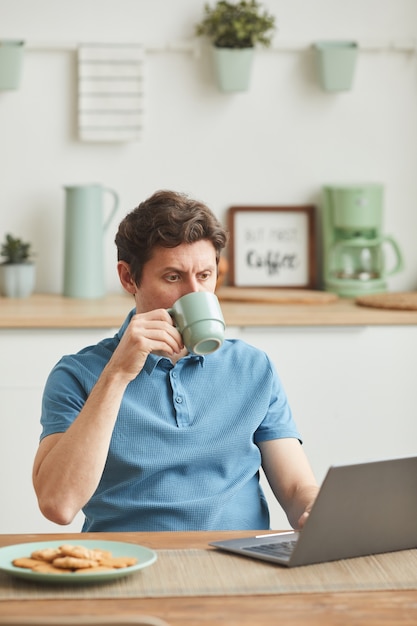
272	246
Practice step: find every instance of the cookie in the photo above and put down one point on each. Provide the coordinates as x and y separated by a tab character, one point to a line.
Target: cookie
117	562
48	554
43	567
25	562
72	562
89	570
80	552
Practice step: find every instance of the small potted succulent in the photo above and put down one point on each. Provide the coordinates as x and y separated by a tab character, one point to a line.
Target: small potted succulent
17	271
234	30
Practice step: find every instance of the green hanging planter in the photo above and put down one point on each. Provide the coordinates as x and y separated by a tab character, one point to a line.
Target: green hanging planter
233	67
11	63
336	62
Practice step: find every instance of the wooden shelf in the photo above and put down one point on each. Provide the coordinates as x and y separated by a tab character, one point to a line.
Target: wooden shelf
55	311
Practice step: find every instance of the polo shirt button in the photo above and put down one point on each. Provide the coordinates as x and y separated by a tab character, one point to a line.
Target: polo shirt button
178	400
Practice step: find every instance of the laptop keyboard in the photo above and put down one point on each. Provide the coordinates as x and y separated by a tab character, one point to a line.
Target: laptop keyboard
281	549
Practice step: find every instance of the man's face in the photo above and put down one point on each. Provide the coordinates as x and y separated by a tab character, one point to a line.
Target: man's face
174	272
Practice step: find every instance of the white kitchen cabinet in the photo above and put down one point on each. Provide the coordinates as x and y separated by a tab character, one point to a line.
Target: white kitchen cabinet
27	356
352	390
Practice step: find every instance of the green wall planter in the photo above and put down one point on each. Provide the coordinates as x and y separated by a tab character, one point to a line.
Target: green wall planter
11	63
233	68
336	62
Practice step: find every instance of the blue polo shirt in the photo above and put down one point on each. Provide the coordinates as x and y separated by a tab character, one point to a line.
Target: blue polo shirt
183	454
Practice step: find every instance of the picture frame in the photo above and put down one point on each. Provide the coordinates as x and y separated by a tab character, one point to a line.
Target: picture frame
272	246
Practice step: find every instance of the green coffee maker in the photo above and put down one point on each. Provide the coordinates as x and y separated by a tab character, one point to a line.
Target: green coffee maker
356	253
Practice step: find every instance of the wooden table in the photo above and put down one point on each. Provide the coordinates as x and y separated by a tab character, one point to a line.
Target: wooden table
319	609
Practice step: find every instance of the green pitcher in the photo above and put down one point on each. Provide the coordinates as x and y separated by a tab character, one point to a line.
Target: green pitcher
85	225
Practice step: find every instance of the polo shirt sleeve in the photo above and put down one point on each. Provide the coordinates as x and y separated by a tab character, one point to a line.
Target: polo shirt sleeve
71	380
278	422
63	398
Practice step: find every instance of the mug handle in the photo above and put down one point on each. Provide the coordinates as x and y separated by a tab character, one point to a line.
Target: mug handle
172	314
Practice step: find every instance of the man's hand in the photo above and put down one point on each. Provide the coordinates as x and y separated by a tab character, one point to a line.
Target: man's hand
302	519
154	332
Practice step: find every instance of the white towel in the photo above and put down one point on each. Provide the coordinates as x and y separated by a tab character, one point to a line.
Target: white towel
110	92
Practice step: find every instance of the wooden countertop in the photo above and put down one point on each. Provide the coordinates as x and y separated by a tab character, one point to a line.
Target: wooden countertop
55	311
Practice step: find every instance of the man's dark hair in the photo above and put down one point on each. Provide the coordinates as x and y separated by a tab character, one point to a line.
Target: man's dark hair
166	219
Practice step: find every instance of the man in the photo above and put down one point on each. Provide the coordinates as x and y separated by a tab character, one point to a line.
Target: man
141	435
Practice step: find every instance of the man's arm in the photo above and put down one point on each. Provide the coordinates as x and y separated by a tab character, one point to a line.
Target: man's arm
290	476
68	466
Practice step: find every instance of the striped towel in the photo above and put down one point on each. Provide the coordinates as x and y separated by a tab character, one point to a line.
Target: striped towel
110	92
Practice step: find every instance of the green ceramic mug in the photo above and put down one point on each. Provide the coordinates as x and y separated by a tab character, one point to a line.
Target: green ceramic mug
199	319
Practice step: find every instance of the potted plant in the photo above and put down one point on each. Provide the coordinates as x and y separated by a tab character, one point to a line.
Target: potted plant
17	272
234	30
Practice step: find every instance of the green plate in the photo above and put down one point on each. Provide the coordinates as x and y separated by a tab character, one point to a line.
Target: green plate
144	556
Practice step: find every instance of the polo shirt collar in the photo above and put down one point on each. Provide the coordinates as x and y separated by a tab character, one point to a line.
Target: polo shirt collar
154	359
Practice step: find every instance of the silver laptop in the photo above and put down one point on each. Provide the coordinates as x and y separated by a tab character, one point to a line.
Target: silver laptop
361	509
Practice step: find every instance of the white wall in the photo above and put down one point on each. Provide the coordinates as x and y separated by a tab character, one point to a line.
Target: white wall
277	144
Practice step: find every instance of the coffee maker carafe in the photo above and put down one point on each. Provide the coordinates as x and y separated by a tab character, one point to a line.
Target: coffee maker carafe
355	251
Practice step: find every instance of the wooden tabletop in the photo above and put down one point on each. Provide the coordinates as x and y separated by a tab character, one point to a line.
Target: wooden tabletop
391	608
54	311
